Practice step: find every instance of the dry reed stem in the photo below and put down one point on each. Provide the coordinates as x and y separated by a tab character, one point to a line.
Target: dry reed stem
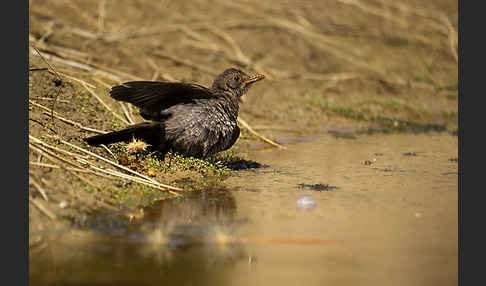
41	106
157	69
41	190
70	122
350	54
76	124
108	150
145	180
240	56
325	42
248	127
105	105
45	165
48	98
50	66
56	74
68	62
398	19
49	154
111	73
77	80
126	113
135	179
120	166
102	82
38	141
72	170
186	63
42	208
109	70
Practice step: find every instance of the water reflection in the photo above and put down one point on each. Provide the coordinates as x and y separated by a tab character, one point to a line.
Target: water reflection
192	235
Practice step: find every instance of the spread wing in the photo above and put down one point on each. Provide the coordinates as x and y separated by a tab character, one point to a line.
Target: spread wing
152	97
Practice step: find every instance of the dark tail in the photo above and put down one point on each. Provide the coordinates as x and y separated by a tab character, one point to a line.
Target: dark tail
150	132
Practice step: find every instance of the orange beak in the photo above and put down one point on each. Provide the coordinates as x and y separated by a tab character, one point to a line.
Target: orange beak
254	78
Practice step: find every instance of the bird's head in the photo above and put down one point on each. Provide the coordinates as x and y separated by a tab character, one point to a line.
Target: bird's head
235	81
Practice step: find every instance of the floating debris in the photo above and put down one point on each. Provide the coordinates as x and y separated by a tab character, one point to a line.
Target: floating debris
306	203
412	154
318	187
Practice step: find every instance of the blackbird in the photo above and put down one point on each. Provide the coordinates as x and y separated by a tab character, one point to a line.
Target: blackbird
187	118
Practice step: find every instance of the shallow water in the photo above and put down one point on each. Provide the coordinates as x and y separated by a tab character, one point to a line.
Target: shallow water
378	210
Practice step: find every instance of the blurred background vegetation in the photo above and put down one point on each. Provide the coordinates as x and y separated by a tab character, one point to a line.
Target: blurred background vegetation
369	65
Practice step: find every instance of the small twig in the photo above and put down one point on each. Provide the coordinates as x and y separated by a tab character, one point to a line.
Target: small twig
50	66
76	124
117	73
45	165
41	106
126	113
135	179
42	208
105	105
48	98
76	64
108	150
40	142
43	125
56	74
49	154
77	80
55	158
38	69
33	182
58	116
248	127
102	82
